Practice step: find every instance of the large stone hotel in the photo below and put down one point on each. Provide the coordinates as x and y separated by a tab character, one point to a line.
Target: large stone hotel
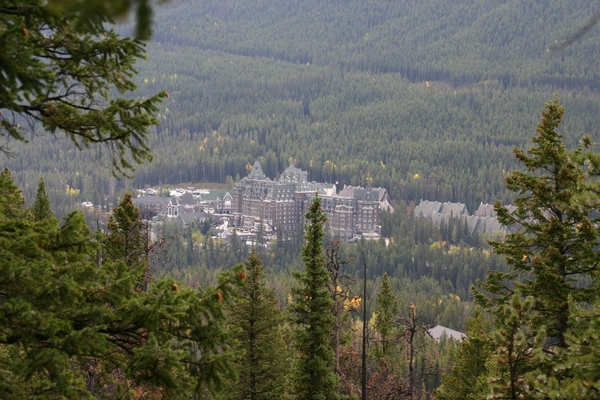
282	203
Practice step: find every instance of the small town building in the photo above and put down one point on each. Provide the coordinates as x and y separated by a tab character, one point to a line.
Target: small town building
438	331
484	219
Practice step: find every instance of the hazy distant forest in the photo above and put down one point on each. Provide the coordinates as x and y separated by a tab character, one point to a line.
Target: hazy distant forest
339	88
427	99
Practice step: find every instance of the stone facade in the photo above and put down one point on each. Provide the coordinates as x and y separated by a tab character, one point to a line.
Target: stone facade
282	203
151	206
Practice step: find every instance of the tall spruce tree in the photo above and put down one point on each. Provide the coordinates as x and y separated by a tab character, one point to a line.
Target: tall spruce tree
11	200
385	375
552	255
40	209
313	376
258	323
467	380
385	318
125	238
513	370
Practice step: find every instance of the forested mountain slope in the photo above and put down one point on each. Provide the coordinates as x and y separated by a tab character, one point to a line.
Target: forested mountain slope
424	98
462	41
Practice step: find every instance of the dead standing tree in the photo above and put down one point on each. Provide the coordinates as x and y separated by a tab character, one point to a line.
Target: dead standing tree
412	338
340	292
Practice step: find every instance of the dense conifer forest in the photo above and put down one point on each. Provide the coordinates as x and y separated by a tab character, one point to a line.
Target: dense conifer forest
426	100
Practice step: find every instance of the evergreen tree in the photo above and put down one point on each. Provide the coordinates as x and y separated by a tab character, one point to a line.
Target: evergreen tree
578	376
59	309
261	239
71	53
11	200
313	377
386	370
518	345
125	239
552	254
237	249
41	207
467	380
387	313
258	324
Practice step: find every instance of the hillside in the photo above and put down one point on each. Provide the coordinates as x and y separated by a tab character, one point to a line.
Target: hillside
461	41
426	99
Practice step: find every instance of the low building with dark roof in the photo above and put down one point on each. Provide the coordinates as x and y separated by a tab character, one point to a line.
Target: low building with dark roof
430	208
484	224
187	218
187	200
487	210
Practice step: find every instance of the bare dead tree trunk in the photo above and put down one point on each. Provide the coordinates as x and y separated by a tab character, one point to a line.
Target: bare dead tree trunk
412	328
340	290
91	377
